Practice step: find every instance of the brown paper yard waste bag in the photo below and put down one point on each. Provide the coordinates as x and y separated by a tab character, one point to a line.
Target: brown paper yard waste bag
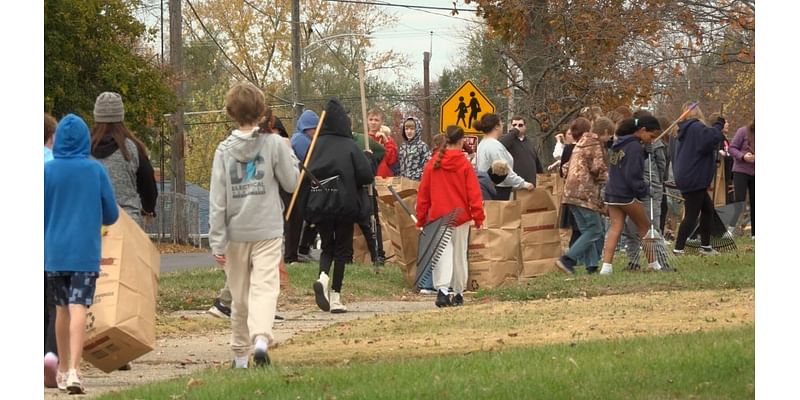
494	252
120	325
400	233
539	239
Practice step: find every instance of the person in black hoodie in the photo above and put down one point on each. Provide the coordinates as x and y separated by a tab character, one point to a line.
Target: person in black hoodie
626	187
337	156
526	163
694	167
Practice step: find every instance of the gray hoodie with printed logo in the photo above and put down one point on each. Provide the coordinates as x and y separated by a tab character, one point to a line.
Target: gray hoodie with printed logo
244	203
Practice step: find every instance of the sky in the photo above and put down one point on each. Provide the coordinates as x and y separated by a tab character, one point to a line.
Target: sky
412	34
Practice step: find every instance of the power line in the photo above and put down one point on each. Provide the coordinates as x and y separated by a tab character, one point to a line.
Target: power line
404	5
412	7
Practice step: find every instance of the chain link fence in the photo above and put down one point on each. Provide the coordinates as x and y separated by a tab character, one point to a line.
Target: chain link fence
177	220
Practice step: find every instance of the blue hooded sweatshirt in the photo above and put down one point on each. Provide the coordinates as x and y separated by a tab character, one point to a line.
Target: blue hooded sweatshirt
300	140
78	200
695	157
626	169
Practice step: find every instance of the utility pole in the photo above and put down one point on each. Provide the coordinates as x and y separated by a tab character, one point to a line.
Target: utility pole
426	127
298	108
179	234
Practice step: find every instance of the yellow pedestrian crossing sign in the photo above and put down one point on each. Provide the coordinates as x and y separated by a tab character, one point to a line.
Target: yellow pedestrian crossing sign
464	107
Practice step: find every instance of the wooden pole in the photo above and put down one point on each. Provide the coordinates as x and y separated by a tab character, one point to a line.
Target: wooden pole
363	104
305	164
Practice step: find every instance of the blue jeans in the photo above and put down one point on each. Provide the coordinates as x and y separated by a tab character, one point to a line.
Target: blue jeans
589	246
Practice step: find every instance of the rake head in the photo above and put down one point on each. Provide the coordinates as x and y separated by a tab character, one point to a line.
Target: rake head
654	248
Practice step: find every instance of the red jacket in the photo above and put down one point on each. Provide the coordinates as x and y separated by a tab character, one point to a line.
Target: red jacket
453	185
389	156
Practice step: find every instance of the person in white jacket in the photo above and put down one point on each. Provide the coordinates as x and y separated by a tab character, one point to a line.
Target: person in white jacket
490	149
246	220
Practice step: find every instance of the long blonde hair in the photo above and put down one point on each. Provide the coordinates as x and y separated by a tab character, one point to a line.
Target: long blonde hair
696	112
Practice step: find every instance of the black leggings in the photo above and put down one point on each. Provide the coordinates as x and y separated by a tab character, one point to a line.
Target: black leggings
337	244
744	183
696	203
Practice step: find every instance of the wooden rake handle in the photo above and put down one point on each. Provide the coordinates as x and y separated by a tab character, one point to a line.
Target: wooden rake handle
685	113
305	165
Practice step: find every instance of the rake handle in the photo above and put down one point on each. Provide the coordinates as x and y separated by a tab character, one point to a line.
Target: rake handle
402	203
305	165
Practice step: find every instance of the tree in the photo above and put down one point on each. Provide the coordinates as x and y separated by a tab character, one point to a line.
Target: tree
94	46
602	52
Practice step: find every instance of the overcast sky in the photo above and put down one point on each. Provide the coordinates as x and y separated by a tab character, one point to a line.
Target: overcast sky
411	35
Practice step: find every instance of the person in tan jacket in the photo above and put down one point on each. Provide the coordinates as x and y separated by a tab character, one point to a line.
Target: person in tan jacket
587	170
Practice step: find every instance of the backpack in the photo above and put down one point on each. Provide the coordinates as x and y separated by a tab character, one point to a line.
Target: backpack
326	199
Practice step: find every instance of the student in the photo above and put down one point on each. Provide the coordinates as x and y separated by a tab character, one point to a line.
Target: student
125	158
586	173
381	134
299	236
414	153
743	151
246	220
50	348
626	187
490	149
337	156
456	188
655	155
695	166
78	200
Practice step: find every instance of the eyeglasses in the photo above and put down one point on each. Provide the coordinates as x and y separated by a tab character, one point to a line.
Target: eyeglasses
518	125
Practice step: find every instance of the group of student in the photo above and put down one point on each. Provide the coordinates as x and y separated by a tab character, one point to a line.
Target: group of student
256	170
88	177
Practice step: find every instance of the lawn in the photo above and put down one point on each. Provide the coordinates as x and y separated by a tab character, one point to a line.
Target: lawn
705	365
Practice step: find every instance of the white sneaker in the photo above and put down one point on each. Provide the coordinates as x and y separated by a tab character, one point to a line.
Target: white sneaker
321	292
427	292
61	381
74	385
336	305
655	265
606	270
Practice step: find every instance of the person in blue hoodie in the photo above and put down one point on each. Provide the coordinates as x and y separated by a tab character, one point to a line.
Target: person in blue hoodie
694	167
626	187
300	236
78	201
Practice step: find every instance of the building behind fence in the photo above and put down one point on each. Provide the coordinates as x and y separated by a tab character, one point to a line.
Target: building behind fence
176	212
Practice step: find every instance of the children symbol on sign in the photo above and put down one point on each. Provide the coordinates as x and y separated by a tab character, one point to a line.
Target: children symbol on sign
462	111
475	108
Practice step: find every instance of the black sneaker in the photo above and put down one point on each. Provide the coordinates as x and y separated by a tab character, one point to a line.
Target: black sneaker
592	270
443	300
458	300
379	261
565	264
261	358
218	310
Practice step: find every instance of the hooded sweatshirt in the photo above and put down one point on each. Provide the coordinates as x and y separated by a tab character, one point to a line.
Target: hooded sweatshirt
414	153
244	201
300	140
390	156
695	158
456	187
490	149
133	179
626	169
587	171
336	153
740	146
78	200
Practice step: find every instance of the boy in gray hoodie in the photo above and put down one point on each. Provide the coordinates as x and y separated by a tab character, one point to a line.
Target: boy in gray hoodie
246	220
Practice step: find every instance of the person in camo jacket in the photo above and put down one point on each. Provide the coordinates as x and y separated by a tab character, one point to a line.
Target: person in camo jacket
414	153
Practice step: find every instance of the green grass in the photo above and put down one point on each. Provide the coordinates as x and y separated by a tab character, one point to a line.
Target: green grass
709	365
725	271
196	290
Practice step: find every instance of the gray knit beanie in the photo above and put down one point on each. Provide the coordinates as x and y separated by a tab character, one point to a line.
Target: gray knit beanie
108	108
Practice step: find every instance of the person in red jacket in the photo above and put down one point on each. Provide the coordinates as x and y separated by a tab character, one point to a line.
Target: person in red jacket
381	134
457	187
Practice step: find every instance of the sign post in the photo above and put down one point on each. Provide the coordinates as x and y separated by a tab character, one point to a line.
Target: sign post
464	107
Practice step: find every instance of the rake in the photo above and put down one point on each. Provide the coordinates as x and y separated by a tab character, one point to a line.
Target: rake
652	244
433	239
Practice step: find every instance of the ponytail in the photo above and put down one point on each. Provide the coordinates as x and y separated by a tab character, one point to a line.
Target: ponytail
438	163
451	136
